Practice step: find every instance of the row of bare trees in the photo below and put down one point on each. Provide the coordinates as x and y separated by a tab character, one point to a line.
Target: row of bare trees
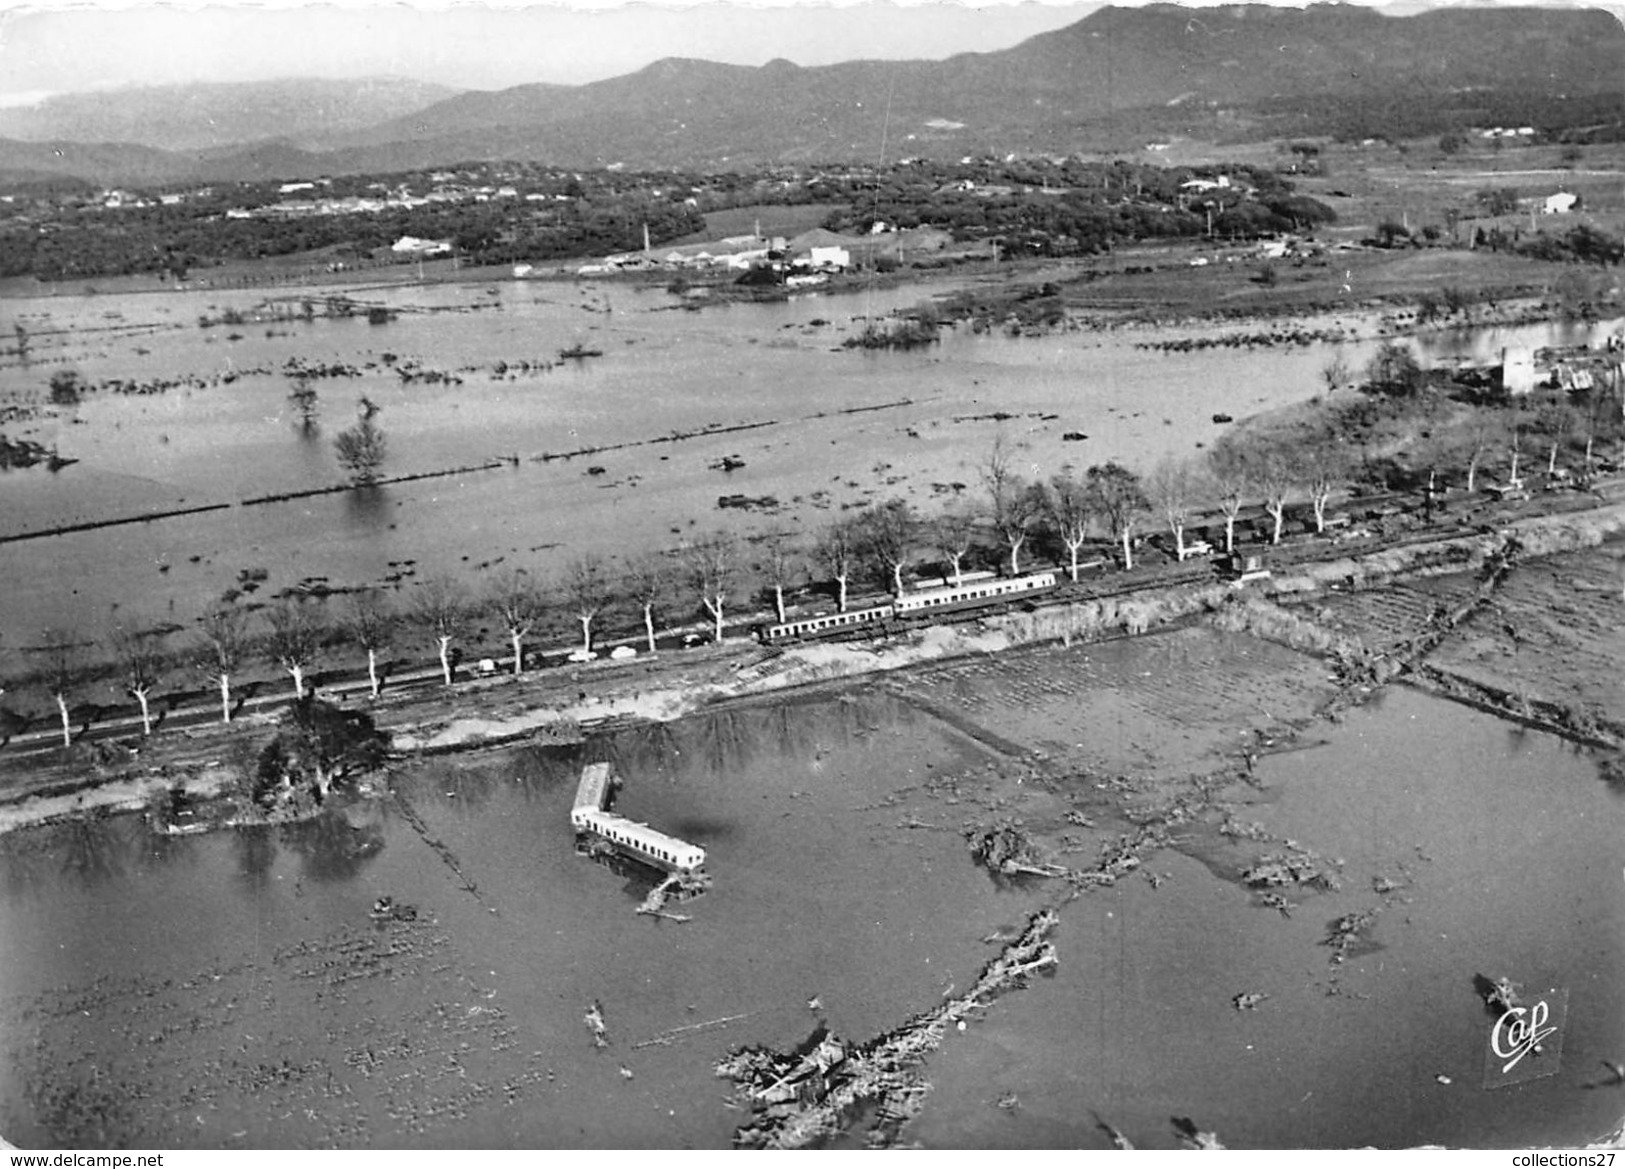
293	633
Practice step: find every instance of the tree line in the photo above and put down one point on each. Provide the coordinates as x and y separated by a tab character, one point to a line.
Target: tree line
1075	518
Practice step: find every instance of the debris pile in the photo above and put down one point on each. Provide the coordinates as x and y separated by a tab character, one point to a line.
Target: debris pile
808	1094
1006	849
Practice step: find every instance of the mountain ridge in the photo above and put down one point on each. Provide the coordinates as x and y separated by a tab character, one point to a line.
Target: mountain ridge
1114	77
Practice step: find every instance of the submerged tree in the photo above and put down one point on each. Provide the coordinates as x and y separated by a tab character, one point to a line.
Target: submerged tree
303	399
222	628
361	448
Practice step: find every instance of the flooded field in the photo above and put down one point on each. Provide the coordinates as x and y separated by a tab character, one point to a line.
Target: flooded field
469	376
230	990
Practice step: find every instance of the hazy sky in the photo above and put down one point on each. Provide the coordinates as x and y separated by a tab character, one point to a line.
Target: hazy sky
58	45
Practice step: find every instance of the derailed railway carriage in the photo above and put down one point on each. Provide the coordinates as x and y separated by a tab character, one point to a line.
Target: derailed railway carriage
912	607
636	840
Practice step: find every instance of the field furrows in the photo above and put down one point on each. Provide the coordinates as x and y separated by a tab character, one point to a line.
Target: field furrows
1385	618
1555	632
1173	699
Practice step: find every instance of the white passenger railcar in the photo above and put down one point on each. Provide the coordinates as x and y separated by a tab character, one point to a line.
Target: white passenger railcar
922	603
637	840
972	594
826	624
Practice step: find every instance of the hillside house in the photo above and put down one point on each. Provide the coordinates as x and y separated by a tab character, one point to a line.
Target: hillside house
1560	204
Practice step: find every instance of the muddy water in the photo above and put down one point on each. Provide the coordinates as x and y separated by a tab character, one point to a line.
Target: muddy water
1506	852
230	990
664	371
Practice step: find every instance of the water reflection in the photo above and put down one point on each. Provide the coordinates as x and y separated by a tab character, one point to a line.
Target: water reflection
95	849
367	508
331	848
255	849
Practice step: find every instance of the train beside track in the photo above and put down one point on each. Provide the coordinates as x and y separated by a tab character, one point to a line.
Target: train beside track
907	609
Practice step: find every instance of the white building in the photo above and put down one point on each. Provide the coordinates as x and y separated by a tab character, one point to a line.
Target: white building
1560	204
410	245
1517	371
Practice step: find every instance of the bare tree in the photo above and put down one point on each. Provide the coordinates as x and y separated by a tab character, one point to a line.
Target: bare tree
781	566
1017	504
222	628
439	606
141	666
303	398
646	577
516	599
64	669
1515	439
370	622
1172	486
295	638
953	533
1558	420
1324	469
712	566
362	448
1336	372
1227	472
587	585
838	549
1070	510
1115	494
1483	434
886	529
1275	478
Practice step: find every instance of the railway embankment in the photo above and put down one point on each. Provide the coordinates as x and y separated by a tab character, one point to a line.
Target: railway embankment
506	711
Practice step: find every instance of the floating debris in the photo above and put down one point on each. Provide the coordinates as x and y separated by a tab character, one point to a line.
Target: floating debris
386	909
812	1092
1499	994
1007	850
1118	1140
1192	1137
594	1018
1347	932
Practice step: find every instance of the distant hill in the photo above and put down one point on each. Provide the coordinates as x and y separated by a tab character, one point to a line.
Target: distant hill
1113	80
1124	70
203	116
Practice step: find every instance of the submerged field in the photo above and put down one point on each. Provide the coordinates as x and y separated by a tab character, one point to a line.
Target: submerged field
845	893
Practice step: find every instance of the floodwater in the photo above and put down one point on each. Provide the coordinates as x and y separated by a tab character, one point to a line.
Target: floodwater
1507	855
229	990
923	421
